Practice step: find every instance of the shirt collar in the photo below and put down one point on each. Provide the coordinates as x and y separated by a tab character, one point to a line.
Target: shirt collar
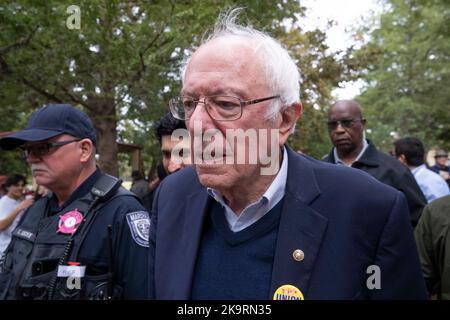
338	160
277	188
255	211
416	170
82	190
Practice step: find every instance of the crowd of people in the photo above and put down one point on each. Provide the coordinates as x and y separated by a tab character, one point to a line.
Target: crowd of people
213	229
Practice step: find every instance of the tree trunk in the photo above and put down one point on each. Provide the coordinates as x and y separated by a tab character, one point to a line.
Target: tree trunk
103	114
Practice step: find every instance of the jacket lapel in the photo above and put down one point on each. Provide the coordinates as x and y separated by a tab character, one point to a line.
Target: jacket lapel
301	227
195	212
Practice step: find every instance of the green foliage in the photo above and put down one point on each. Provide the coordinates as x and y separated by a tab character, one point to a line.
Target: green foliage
12	162
406	65
130	53
320	72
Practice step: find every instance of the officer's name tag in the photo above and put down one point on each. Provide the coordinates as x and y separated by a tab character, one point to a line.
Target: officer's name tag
71	271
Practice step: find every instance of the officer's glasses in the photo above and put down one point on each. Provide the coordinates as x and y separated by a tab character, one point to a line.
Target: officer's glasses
221	108
345	123
41	149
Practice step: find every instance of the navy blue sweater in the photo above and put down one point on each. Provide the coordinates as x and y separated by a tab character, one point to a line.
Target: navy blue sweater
235	265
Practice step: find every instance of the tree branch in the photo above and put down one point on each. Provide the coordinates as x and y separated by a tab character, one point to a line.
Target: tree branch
51	96
20	43
75	99
43	92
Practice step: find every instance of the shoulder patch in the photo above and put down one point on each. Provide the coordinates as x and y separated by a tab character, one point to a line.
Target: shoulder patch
139	223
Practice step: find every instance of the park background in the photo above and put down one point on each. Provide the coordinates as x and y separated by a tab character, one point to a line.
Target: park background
121	64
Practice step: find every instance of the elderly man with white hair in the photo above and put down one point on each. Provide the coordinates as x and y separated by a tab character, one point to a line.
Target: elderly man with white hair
252	219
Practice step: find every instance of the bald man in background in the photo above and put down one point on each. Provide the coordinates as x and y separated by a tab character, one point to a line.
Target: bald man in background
346	129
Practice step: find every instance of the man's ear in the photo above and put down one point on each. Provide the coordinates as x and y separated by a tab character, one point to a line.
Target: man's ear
289	118
402	159
364	122
87	148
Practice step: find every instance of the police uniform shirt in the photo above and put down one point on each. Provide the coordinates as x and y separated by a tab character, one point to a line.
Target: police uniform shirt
129	240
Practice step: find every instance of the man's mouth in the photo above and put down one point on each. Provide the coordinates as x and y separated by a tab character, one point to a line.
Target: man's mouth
38	170
343	141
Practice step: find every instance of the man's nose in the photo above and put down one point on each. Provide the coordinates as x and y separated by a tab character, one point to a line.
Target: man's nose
200	114
339	128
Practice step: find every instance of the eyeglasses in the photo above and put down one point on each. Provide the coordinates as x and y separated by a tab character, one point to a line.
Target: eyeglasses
221	108
345	123
41	149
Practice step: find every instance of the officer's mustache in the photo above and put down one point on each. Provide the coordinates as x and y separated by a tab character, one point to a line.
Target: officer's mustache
38	167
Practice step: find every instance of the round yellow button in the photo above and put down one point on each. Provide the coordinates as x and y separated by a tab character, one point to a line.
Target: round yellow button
288	292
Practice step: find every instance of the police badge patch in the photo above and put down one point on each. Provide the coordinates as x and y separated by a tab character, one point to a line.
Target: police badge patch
139	223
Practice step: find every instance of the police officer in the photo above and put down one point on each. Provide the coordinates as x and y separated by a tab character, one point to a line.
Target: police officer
88	238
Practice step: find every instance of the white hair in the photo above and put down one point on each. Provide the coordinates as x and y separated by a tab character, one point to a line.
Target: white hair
280	69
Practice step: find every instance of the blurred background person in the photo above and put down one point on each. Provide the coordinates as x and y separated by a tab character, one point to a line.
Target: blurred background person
346	126
3	190
40	191
441	166
165	126
140	185
433	242
411	153
12	206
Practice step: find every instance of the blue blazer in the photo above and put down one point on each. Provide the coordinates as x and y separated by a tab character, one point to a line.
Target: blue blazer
341	218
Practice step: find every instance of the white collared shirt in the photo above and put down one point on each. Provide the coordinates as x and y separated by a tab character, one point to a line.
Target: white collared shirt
433	186
338	160
255	211
7	205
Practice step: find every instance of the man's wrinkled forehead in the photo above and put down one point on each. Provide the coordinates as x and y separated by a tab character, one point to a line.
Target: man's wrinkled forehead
236	50
344	110
231	44
224	67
